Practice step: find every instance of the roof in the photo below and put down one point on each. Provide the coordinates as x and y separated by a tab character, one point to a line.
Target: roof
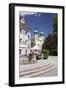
41	33
35	31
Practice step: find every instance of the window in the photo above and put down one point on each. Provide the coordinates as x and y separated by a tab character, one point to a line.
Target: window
20	40
29	37
20	51
25	52
26	42
23	31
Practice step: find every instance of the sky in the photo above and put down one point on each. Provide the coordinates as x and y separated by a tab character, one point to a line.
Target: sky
42	22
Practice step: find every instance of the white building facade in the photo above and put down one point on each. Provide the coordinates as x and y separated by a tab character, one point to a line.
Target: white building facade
24	38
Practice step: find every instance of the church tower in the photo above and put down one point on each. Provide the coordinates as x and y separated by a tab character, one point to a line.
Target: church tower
41	38
36	36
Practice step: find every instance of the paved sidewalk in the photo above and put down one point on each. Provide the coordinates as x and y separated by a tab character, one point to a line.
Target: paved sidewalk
40	63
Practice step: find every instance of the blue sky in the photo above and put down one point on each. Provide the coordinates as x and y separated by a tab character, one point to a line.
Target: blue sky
42	22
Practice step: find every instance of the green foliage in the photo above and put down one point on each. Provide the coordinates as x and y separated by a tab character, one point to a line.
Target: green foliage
55	19
55	26
32	43
44	44
49	42
53	52
45	53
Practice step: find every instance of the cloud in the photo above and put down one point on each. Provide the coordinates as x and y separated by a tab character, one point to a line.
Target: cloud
27	13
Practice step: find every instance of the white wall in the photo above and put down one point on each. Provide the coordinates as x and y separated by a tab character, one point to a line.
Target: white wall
4	44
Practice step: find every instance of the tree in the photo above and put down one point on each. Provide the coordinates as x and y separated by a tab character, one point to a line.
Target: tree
44	44
50	44
51	40
55	27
